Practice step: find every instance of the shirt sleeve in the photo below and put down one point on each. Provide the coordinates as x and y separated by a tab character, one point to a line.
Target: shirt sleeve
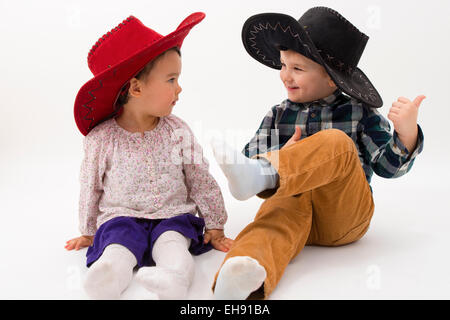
387	155
91	187
201	185
266	137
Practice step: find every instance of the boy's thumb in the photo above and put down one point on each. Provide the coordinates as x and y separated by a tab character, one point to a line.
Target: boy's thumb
298	133
417	101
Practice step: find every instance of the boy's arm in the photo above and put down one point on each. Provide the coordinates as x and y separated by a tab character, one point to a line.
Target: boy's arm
403	115
91	187
388	156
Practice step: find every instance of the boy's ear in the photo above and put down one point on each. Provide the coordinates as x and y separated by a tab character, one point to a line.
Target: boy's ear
135	89
331	83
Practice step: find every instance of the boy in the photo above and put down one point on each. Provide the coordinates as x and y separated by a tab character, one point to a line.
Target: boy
313	156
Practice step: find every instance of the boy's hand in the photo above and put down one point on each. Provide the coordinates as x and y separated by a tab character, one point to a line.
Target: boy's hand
403	115
295	137
218	239
79	243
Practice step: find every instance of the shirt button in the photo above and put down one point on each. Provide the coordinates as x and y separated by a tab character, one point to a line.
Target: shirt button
313	115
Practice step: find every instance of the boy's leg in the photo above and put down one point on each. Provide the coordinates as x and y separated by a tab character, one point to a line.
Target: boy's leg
238	278
281	227
246	177
327	165
324	174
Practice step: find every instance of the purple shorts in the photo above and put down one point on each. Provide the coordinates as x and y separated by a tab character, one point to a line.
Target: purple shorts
139	236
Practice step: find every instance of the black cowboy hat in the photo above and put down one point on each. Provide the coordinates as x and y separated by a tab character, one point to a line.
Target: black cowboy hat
322	35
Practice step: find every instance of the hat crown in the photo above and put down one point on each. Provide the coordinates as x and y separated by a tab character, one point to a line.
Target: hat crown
338	41
127	38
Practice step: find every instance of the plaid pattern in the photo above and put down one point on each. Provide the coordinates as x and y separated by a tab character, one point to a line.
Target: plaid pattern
378	149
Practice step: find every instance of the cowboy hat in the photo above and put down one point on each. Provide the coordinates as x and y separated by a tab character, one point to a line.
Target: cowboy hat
117	57
321	34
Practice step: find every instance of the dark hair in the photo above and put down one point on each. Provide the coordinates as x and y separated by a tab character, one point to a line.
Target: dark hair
141	75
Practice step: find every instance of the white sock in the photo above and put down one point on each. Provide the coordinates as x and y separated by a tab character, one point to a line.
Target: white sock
246	177
135	291
111	273
167	284
174	271
238	278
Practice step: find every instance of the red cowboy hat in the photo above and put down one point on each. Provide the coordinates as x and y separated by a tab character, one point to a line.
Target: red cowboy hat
116	58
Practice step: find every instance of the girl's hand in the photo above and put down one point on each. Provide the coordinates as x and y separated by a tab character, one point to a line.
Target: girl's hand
218	239
79	243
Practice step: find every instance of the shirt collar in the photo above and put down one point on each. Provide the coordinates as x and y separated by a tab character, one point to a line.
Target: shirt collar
324	102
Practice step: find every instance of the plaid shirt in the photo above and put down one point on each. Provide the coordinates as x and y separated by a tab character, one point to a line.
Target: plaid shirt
378	149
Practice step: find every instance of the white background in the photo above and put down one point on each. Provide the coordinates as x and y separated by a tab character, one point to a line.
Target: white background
44	45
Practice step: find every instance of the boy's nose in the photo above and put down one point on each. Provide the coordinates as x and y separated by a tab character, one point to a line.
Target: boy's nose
285	76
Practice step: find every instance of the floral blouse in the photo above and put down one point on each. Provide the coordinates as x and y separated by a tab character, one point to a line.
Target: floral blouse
157	174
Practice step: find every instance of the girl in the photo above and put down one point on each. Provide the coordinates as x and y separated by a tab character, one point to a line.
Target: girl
143	177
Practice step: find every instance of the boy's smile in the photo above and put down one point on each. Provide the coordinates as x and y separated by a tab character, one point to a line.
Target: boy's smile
304	79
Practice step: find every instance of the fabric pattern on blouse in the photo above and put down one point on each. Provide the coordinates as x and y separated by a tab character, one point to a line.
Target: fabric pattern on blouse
155	175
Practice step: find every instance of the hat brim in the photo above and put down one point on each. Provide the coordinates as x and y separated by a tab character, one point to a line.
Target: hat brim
95	100
263	35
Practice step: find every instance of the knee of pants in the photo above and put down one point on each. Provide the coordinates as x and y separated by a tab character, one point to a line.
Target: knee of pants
337	139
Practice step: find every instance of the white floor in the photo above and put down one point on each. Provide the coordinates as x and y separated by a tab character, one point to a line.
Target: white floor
403	256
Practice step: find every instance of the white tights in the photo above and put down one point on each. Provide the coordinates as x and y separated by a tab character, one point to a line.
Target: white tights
171	278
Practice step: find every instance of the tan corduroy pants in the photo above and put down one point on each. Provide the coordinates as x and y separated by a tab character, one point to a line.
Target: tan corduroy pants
323	199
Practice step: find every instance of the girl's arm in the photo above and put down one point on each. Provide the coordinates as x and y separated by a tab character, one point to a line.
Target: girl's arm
91	188
205	192
90	192
202	187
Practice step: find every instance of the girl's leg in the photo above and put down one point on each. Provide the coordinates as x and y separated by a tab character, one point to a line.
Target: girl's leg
174	270
110	275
